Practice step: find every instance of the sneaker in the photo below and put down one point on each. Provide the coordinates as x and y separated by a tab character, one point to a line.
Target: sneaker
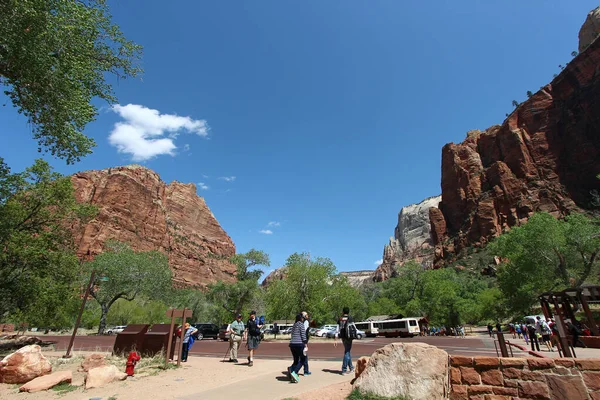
250	363
295	377
235	360
231	360
346	372
307	373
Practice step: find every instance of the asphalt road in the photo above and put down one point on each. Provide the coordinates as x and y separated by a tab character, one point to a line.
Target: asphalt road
318	350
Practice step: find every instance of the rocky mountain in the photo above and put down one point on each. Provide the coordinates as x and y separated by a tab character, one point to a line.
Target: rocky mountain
275	275
590	29
136	207
544	157
358	278
411	240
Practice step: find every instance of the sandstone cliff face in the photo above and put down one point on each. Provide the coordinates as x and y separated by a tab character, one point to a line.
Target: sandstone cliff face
411	241
136	207
590	29
544	157
358	278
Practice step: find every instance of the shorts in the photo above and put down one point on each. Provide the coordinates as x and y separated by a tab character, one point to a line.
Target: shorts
253	342
545	338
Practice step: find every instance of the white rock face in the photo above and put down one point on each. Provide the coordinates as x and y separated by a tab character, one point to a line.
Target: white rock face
413	229
590	29
358	278
416	371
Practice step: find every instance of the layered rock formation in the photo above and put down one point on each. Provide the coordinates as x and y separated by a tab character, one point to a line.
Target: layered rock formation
136	207
358	278
544	157
411	240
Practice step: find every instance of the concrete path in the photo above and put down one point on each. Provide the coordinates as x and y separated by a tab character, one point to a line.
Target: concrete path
267	380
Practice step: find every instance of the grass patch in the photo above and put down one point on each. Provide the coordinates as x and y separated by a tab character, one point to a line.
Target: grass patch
64	387
356	395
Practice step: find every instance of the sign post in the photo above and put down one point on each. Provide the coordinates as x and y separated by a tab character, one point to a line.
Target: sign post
174	313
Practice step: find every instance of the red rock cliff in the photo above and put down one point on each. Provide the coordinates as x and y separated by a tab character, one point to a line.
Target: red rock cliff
544	157
136	207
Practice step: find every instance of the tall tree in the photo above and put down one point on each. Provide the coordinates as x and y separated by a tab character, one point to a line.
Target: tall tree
37	254
547	254
238	296
122	273
55	57
312	285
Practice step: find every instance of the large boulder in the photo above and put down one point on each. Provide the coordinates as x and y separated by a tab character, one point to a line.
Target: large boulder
47	381
24	365
413	370
14	342
590	29
92	361
100	376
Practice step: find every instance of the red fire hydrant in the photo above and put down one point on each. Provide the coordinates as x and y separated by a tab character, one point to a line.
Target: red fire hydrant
133	358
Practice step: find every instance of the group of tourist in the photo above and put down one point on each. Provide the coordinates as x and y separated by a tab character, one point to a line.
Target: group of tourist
543	331
251	333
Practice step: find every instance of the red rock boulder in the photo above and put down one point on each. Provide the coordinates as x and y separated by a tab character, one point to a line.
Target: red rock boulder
24	365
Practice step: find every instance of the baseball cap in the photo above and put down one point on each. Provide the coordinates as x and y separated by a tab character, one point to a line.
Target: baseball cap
252	312
239	316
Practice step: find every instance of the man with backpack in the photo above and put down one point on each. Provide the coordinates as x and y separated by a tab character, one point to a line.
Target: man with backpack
252	337
347	332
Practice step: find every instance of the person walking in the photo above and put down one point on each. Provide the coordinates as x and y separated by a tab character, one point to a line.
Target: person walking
342	332
531	331
236	331
490	329
298	343
524	331
188	340
305	351
252	337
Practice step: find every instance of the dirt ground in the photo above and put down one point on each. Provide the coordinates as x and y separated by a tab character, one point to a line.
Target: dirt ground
201	377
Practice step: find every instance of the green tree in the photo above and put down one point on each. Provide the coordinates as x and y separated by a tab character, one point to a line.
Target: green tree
312	285
38	265
237	296
122	273
547	254
529	93
55	57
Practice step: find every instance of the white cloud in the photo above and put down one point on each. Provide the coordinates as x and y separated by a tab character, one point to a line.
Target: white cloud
378	262
273	223
142	132
202	186
266	231
227	178
205	176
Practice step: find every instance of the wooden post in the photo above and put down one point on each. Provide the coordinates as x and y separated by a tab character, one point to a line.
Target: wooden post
171	334
562	333
85	296
183	319
588	313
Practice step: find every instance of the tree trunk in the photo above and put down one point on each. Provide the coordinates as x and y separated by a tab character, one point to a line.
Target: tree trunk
102	326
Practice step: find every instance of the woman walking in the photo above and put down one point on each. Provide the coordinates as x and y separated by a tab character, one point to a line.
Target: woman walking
297	345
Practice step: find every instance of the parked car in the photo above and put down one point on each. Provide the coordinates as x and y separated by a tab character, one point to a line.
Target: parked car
116	329
223	332
206	331
322	332
360	334
312	331
286	331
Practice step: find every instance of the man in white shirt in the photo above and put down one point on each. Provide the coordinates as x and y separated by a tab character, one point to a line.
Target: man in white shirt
306	328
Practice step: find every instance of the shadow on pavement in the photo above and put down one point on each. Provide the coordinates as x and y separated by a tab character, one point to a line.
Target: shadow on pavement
332	371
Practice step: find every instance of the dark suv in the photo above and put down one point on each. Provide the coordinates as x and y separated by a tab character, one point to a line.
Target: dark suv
206	331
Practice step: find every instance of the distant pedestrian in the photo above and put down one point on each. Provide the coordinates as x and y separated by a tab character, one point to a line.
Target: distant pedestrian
490	329
305	351
252	337
344	331
498	327
525	334
298	342
188	340
575	333
531	332
236	332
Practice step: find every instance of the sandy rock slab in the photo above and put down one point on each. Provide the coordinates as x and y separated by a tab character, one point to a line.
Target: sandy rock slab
413	370
24	365
100	376
47	381
92	361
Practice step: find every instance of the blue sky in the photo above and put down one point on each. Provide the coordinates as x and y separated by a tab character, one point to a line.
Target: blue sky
330	115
